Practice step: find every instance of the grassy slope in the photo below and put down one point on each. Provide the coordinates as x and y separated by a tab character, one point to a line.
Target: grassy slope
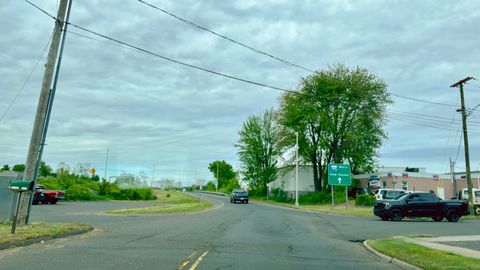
177	202
423	257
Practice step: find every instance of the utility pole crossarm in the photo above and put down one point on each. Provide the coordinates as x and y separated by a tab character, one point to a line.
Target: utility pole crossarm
461	82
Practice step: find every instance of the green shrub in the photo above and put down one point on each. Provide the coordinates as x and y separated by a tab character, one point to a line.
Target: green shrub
280	195
79	192
365	200
323	197
133	194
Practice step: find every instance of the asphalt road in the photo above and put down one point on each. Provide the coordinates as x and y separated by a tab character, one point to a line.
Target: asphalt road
240	236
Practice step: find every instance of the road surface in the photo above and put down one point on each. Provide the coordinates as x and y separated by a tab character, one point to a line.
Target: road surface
229	236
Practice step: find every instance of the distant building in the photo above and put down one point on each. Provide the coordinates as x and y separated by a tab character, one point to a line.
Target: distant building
412	179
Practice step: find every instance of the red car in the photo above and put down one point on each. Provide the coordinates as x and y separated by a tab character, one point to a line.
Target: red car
42	195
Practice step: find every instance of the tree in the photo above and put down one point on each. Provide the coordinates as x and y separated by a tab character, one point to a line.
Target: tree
18	168
225	172
5	168
258	149
44	170
339	114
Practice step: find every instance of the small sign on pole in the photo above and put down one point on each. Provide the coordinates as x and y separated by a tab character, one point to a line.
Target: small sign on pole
339	175
19	187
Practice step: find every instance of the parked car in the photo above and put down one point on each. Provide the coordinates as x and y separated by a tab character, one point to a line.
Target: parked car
353	192
41	195
420	204
388	194
239	195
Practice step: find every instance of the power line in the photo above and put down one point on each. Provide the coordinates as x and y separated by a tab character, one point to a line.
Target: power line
423	124
427	117
225	37
26	81
459	145
422	100
179	62
168	58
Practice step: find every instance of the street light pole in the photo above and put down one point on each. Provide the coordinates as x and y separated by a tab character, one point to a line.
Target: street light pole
296	169
106	164
217	179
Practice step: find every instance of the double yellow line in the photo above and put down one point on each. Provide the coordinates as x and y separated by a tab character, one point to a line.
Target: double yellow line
197	262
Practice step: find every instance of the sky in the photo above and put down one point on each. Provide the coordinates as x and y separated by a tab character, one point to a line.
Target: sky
164	120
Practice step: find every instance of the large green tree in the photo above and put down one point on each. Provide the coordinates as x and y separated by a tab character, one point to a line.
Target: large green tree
258	149
339	114
222	171
18	168
44	170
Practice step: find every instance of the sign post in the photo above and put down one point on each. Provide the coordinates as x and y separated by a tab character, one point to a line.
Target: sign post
339	175
19	187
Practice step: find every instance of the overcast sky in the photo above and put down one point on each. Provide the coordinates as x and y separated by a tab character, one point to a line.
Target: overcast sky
150	112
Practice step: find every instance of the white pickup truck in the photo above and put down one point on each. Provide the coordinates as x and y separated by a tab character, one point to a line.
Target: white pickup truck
463	195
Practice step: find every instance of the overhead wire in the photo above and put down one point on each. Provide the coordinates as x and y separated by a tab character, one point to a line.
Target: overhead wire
430	118
171	59
19	91
224	37
422	100
425	124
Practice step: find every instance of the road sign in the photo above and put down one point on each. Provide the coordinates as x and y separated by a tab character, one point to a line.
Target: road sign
339	175
93	171
20	186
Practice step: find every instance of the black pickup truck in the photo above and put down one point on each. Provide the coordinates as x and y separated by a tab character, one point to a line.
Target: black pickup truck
420	204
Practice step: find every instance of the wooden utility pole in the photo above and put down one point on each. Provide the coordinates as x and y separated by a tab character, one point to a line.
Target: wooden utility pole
42	108
460	84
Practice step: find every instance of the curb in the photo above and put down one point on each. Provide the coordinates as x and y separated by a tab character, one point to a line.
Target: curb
389	259
27	242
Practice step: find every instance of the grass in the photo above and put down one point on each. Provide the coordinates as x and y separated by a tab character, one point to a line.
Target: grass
338	209
167	202
36	230
423	257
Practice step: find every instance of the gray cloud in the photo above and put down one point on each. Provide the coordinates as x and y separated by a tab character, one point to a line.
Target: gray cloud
148	111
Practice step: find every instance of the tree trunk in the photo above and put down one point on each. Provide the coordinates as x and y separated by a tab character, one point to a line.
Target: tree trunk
320	171
316	181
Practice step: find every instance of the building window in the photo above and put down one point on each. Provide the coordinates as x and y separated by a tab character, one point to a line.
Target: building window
404	185
384	184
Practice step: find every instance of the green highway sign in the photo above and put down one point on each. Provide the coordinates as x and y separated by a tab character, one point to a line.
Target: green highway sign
20	186
339	174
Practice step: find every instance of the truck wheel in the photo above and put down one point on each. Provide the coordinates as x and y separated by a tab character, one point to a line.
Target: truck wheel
452	215
54	202
35	202
477	210
396	215
437	219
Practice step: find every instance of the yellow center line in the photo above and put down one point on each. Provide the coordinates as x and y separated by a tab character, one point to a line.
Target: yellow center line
186	261
198	261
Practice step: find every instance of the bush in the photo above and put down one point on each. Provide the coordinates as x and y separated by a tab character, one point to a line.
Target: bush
79	192
133	194
280	195
365	200
323	197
